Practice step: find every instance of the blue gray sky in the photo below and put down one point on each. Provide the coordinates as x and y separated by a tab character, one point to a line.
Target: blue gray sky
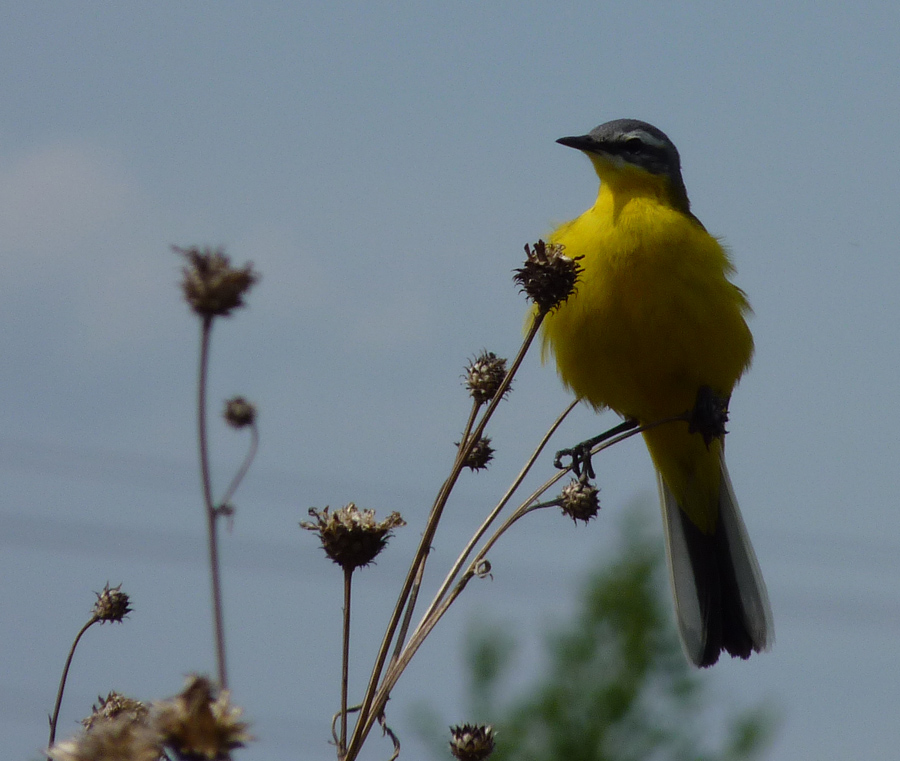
383	164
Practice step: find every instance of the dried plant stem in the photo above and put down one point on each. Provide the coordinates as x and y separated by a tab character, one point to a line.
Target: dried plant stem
211	513
496	511
467	431
408	614
530	503
62	682
245	465
415	571
345	662
440	606
417	582
504	386
366	718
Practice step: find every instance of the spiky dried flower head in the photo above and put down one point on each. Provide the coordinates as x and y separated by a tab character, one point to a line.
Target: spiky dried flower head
120	738
484	375
472	742
580	500
548	276
480	454
112	604
239	413
211	286
352	537
200	725
113	706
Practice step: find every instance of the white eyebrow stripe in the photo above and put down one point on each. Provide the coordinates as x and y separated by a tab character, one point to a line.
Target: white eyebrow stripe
645	137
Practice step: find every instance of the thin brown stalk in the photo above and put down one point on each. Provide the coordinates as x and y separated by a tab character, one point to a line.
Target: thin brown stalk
464	446
492	516
440	607
211	512
467	432
408	613
415	570
365	720
528	505
345	662
245	465
504	386
62	682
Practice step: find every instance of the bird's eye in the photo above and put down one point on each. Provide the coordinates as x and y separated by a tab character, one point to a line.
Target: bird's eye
633	145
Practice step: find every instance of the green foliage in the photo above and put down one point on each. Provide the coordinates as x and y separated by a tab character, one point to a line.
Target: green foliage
617	687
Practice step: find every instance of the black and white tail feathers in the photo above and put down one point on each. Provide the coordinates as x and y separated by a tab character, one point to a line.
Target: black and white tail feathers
720	596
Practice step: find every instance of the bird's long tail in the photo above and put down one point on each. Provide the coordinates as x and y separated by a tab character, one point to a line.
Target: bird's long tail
720	596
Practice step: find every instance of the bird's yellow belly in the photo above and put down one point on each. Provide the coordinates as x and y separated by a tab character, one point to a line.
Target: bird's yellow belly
653	317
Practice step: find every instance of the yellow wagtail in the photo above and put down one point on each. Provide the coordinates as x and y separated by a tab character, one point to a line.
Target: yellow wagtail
653	323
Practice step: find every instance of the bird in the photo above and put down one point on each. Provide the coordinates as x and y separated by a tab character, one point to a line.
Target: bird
653	323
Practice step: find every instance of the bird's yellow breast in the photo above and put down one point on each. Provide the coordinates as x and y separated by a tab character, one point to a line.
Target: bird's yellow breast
654	316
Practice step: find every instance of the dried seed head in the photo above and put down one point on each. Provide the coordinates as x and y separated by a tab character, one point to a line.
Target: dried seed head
121	738
114	706
112	604
579	500
480	454
239	413
199	728
472	743
548	277
352	537
484	375
211	286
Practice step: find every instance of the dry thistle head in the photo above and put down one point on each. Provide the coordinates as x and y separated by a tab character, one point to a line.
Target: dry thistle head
548	277
120	738
239	413
480	454
484	375
472	742
114	706
112	604
211	286
196	726
579	500
352	537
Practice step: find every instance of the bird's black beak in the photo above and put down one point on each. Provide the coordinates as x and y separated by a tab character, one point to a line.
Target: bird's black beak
581	143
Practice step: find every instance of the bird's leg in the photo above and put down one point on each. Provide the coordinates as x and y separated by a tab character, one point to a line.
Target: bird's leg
581	453
708	418
709	415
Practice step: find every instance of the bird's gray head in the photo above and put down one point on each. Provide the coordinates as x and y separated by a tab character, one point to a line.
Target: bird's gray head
632	142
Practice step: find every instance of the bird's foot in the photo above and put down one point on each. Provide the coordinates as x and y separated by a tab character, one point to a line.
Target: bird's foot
709	415
580	454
